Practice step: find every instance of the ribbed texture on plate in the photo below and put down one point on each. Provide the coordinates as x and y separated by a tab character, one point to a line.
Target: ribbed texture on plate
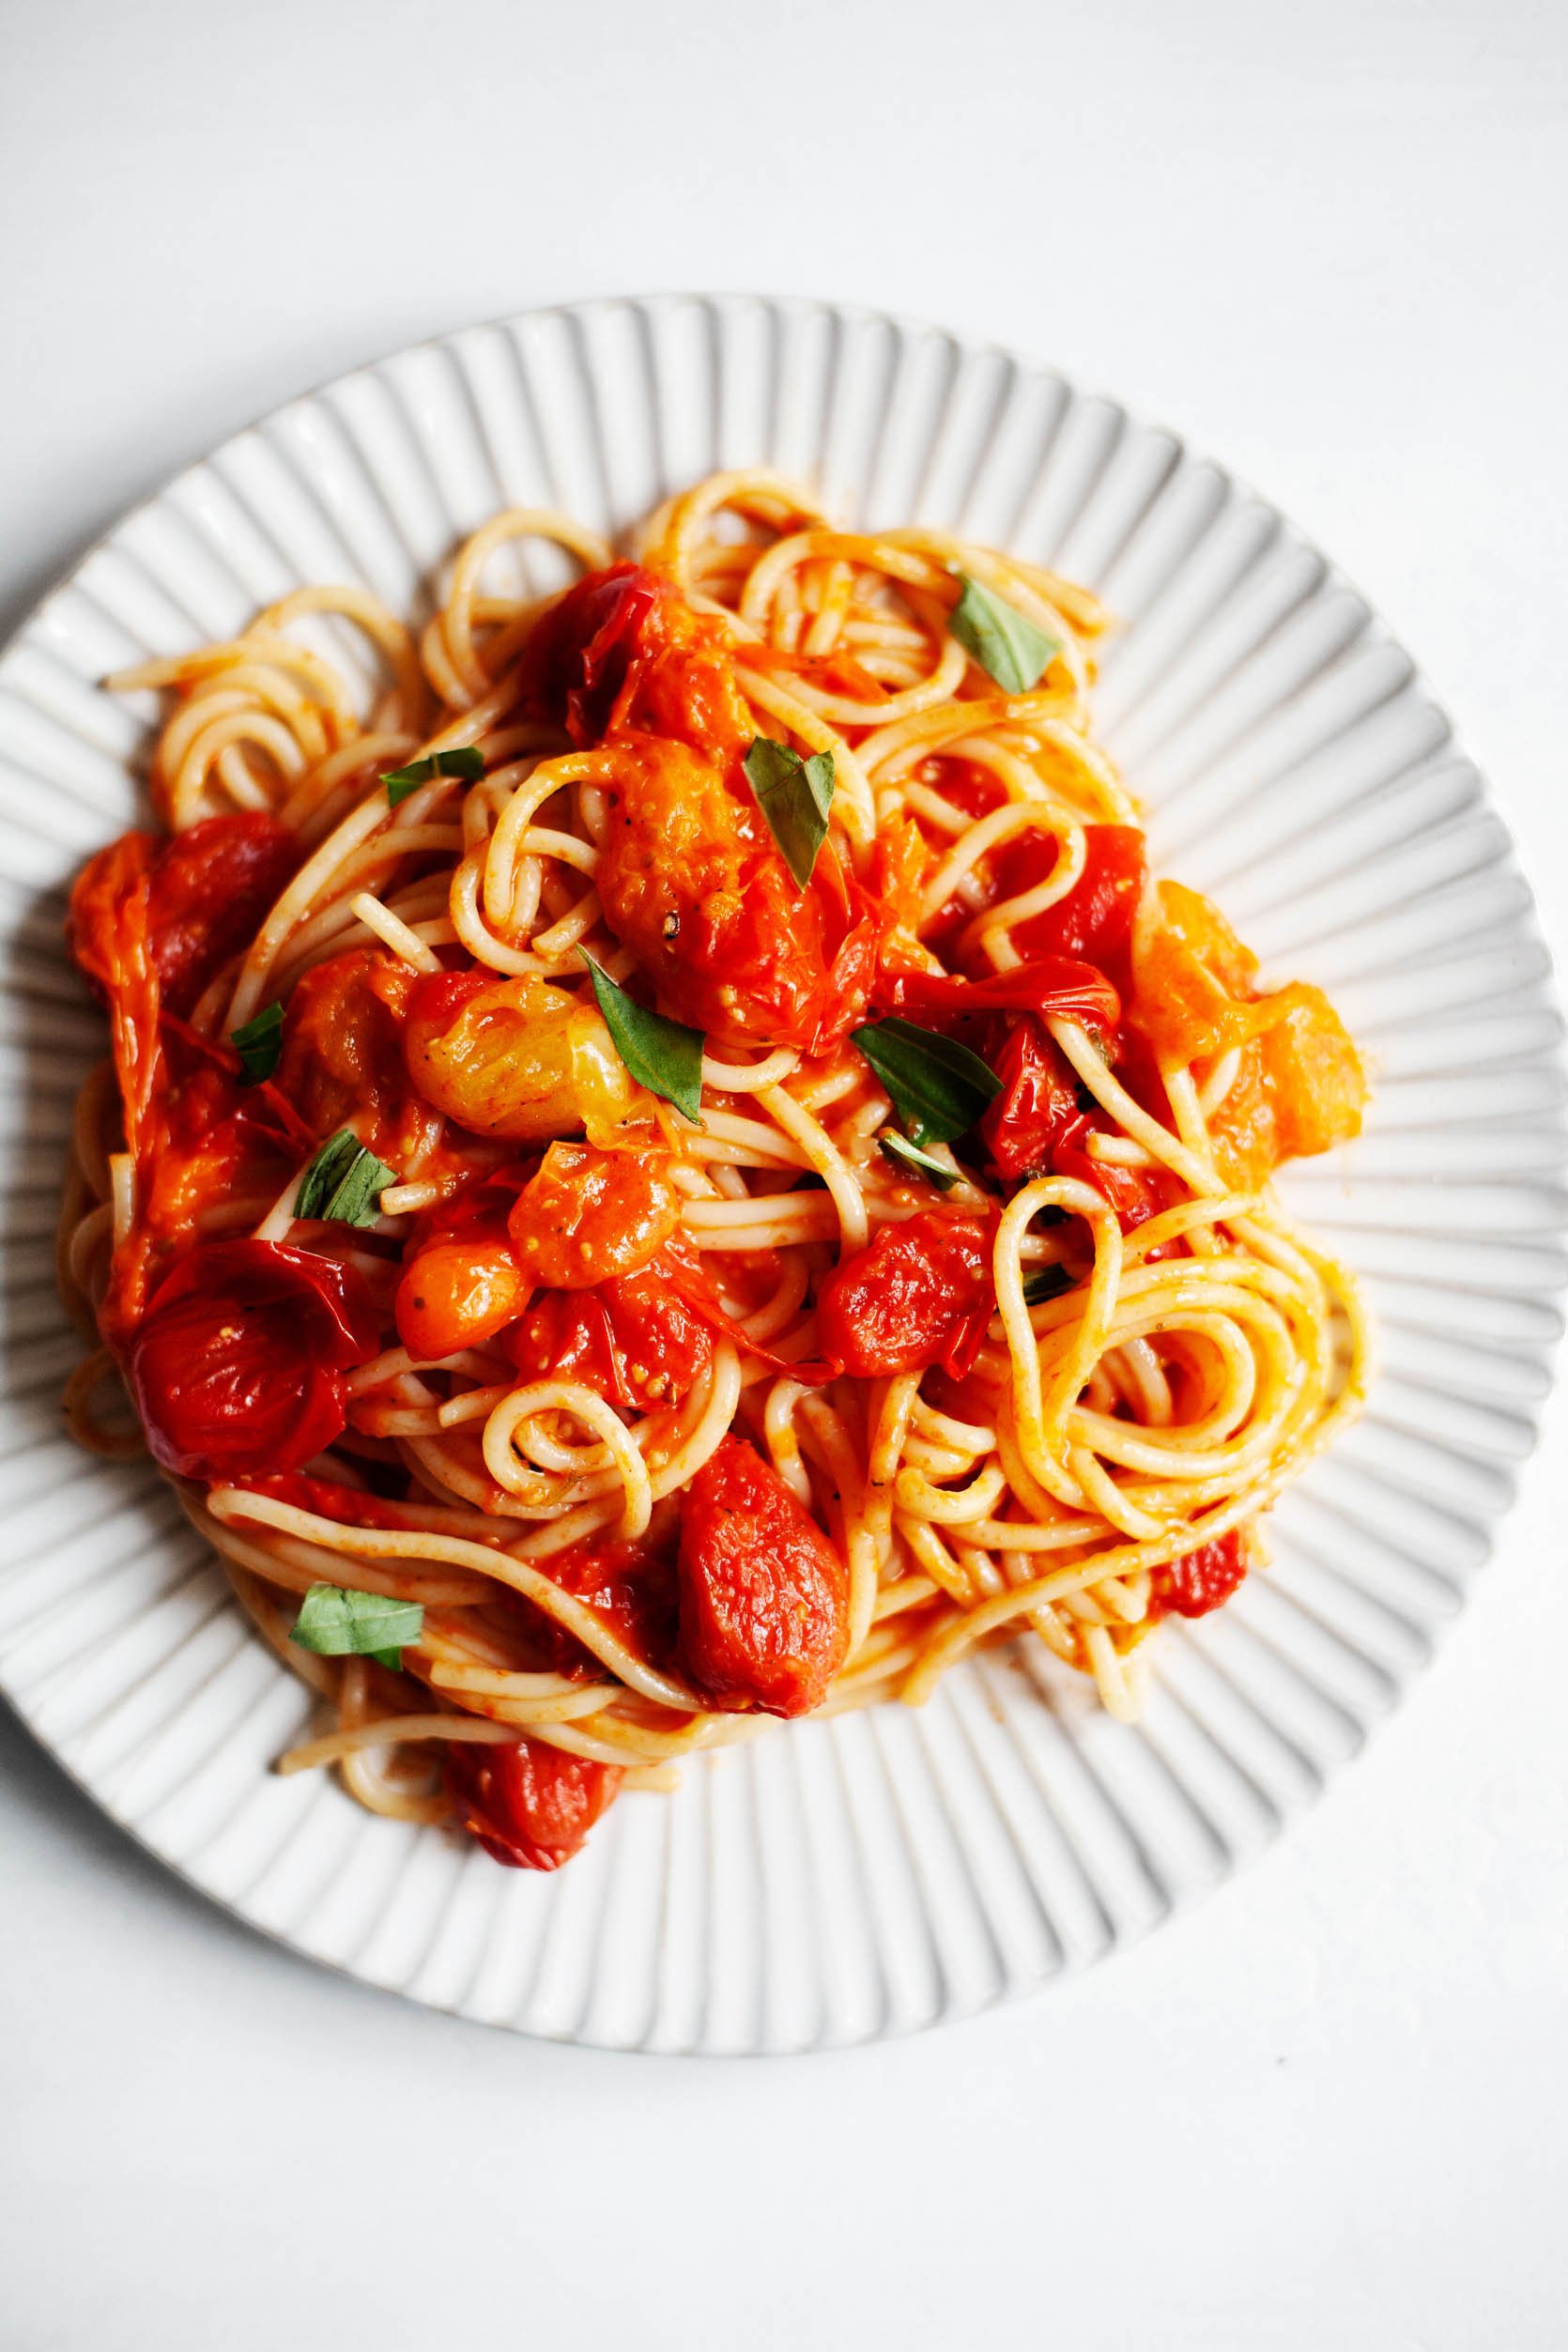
837	1881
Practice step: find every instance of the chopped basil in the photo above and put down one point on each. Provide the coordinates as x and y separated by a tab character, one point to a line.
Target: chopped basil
258	1044
343	1182
663	1056
338	1623
1008	646
794	795
939	1089
904	1154
466	760
1046	1282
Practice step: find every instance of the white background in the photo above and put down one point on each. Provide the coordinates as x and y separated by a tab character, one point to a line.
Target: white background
1326	2109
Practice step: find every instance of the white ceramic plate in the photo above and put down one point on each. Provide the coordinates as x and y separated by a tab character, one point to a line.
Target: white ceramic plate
834	1881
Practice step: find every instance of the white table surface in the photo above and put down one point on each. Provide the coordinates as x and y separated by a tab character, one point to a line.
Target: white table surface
1325	2108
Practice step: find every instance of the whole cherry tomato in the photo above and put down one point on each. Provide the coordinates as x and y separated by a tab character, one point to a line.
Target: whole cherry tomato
530	1806
237	1366
589	1215
918	1294
765	1597
460	1293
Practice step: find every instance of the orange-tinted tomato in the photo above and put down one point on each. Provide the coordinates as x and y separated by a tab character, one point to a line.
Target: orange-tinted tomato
1200	1581
637	1340
513	1058
1313	1072
212	887
689	876
458	1294
1193	979
1301	1087
765	1597
918	1294
530	1806
899	867
692	883
237	1366
1037	1103
589	1216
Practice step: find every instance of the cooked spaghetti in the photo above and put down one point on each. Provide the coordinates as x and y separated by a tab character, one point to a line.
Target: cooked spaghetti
669	1165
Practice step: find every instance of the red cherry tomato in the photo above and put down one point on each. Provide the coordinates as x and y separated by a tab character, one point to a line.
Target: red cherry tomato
628	1583
765	1597
343	1051
635	1339
237	1366
918	1294
579	657
1055	988
1094	922
1203	1580
530	1806
1037	1103
1136	1194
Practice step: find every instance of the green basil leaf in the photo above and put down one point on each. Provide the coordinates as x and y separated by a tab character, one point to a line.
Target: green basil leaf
906	1155
466	760
939	1089
794	795
1046	1282
1008	646
343	1182
338	1623
663	1056
258	1045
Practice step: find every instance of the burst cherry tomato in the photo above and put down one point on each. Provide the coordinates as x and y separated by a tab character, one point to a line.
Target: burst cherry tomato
212	887
918	1294
1203	1580
765	1597
1094	922
1037	1103
635	1340
515	1058
692	882
530	1806
1136	1194
628	1583
342	1055
1054	988
589	1216
237	1366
